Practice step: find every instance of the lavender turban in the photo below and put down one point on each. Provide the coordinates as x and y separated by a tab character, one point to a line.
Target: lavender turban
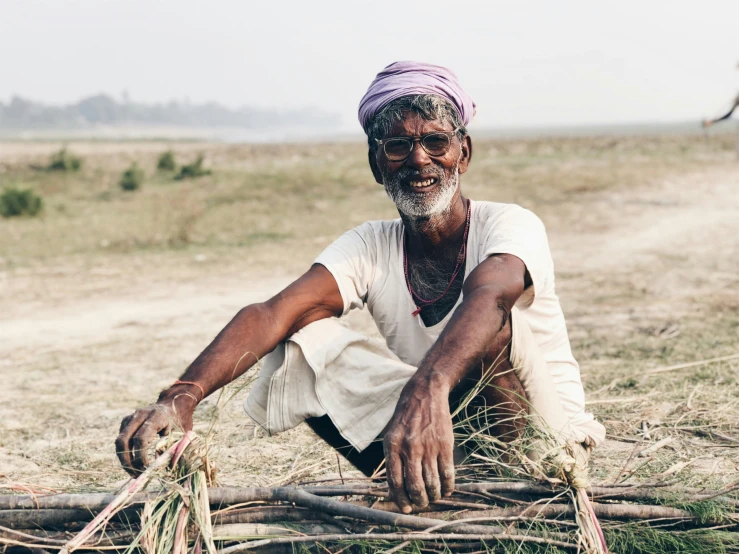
410	78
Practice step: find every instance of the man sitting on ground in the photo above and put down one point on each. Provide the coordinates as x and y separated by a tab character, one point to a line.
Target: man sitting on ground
460	290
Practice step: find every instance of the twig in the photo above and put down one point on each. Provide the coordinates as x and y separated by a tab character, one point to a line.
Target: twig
619	400
691	364
654	447
689	403
338	463
628	461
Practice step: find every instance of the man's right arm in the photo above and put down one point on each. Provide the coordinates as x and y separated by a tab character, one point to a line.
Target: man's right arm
255	331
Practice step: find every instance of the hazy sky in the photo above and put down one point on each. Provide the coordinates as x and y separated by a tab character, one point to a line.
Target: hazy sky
525	63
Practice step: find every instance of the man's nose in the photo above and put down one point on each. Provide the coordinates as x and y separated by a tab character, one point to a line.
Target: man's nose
418	157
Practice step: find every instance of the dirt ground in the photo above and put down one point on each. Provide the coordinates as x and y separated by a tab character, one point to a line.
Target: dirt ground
108	296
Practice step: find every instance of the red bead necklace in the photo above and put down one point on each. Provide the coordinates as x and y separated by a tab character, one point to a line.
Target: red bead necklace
417	299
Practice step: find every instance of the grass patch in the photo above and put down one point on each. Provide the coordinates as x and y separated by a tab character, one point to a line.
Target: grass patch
166	161
20	202
64	161
641	539
193	170
132	178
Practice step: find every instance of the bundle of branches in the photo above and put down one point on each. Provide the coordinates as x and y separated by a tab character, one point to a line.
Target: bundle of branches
527	493
501	515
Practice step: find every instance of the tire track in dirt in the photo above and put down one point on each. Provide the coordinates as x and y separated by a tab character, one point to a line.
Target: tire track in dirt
696	214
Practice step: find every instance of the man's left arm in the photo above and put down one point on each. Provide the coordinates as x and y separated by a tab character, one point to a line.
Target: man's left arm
419	442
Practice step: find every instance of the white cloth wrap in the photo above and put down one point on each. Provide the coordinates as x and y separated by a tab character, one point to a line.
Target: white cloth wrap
326	368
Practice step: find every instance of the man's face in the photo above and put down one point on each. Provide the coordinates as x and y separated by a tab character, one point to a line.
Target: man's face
421	185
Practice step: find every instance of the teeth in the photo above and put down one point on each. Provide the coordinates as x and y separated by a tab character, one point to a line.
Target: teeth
418	184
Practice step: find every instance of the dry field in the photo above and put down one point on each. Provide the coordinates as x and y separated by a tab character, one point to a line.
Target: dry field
108	295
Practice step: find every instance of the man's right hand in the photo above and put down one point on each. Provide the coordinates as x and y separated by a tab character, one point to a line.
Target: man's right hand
173	411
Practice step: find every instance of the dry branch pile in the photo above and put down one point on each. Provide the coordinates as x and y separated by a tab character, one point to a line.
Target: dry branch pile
496	516
505	501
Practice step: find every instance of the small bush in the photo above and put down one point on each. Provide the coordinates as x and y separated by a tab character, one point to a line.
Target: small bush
17	202
193	170
64	161
167	162
132	178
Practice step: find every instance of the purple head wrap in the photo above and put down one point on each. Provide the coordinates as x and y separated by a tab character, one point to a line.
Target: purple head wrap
410	78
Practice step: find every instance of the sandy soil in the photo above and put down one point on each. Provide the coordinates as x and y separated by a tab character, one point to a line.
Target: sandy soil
84	342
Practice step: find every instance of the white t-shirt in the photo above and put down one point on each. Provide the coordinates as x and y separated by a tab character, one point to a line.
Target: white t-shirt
367	263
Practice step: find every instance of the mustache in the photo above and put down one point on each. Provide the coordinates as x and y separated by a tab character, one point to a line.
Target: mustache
408	173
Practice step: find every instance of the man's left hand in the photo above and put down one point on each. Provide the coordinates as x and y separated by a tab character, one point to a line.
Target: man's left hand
419	447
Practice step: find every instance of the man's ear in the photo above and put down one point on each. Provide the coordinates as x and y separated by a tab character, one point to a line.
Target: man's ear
372	157
466	158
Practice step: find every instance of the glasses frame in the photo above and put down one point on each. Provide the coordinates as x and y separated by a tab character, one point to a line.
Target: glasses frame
419	139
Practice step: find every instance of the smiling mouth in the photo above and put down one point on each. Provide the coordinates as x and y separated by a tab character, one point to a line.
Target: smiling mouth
423	184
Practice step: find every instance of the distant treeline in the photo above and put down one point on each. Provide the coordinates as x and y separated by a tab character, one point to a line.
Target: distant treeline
103	109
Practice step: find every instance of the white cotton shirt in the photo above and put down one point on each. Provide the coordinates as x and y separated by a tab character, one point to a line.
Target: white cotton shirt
367	263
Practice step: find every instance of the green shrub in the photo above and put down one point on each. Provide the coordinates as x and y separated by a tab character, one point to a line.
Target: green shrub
64	161
193	170
17	202
167	162
132	178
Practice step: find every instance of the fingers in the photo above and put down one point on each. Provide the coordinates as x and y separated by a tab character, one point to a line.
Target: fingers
140	443
431	478
129	426
446	470
138	431
414	485
124	423
395	480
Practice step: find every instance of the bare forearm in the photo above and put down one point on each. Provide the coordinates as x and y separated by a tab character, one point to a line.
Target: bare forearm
465	340
250	335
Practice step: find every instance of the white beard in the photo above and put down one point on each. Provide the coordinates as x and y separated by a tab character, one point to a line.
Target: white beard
424	205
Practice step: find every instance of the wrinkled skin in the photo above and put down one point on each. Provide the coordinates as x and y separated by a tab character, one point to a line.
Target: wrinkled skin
173	410
418	442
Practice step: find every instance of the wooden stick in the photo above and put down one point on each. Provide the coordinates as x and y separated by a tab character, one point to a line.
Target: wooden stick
334	507
623	512
691	364
223	497
53	517
245	547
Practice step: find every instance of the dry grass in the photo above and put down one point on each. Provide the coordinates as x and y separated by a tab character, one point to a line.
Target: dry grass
108	295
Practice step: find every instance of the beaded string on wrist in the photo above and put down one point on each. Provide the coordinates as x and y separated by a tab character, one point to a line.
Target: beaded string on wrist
202	390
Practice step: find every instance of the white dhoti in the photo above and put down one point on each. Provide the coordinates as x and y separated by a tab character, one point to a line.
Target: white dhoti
328	369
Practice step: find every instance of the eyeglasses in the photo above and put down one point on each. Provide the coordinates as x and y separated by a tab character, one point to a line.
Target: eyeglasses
435	144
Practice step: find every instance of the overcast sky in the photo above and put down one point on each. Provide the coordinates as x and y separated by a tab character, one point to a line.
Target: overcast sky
526	63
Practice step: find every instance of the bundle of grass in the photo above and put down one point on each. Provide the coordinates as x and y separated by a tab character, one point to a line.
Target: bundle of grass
132	178
193	170
20	202
166	162
64	161
166	520
533	451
